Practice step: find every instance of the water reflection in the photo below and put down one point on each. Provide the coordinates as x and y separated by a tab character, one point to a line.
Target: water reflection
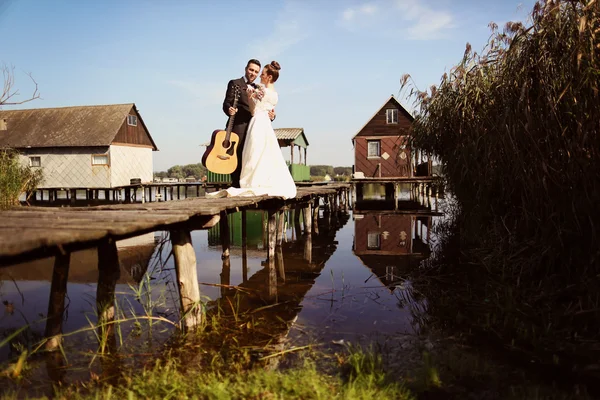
336	281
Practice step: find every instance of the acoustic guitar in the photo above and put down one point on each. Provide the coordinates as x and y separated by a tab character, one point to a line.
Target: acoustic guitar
220	156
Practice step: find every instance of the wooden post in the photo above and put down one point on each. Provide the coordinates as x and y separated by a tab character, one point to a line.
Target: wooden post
280	226
225	275
224	232
315	216
56	302
272	279
308	248
307	214
187	278
108	274
280	265
244	247
291	154
272	236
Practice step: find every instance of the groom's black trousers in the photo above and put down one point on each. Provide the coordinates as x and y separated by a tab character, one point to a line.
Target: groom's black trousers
241	132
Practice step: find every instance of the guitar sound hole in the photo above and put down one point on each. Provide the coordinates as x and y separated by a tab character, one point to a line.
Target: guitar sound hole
230	150
226	144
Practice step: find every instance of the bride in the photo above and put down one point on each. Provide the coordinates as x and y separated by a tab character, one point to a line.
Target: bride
264	170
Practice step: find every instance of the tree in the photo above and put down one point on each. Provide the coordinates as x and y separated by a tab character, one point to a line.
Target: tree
9	92
321	170
176	171
345	171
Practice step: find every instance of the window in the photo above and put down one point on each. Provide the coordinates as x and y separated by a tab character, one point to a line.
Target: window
391	116
373	148
373	241
132	120
35	161
99	159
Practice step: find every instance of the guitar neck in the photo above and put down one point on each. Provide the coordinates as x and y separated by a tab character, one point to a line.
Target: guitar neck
231	119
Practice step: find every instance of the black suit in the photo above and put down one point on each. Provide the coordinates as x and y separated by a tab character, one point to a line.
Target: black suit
240	123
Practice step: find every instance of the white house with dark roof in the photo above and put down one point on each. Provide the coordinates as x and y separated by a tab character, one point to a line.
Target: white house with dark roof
102	146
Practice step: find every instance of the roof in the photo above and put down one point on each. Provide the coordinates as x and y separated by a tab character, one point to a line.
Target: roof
391	98
289	135
79	126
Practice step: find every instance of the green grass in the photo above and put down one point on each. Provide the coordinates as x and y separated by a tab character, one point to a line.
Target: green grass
170	380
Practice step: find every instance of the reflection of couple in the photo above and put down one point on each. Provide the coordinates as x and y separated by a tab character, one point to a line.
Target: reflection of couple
261	170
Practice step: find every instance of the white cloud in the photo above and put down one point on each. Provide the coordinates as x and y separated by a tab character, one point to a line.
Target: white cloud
289	28
352	14
411	19
204	94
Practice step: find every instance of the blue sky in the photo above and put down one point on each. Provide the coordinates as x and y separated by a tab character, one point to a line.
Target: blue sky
340	59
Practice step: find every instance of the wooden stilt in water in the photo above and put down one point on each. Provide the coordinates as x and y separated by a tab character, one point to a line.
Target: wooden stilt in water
315	217
280	265
244	247
308	247
56	302
307	214
187	278
272	236
225	275
108	274
224	232
280	226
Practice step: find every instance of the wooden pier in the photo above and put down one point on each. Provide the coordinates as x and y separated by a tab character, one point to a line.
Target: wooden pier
28	233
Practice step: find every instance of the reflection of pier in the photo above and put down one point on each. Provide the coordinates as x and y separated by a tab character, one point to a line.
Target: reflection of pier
284	280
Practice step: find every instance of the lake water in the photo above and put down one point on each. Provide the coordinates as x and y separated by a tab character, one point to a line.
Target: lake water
350	283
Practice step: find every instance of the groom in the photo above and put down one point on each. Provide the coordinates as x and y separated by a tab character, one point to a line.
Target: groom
242	112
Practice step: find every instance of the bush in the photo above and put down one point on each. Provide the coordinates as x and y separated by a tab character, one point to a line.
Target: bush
15	178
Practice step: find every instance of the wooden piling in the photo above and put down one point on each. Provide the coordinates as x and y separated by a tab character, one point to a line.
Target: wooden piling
225	275
307	214
187	278
272	236
244	247
315	216
56	303
224	233
108	274
280	265
280	226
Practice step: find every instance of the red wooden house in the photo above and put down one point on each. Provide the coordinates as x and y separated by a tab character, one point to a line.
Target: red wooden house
380	146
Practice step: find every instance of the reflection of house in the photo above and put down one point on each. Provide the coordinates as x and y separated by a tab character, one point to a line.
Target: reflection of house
135	255
390	244
81	147
255	221
380	146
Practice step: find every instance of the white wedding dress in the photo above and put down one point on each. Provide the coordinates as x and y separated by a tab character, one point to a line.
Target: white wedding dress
264	170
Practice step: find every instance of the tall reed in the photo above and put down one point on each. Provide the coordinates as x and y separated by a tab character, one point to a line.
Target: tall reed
516	129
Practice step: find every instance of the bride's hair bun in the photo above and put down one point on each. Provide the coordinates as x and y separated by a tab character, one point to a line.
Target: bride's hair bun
275	65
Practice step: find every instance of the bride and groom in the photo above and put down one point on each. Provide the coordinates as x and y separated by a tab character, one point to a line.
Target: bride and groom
261	170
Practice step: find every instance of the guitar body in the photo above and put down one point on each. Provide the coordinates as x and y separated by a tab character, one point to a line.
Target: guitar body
220	156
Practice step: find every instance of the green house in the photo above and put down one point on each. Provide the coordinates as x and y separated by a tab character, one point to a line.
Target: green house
294	138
